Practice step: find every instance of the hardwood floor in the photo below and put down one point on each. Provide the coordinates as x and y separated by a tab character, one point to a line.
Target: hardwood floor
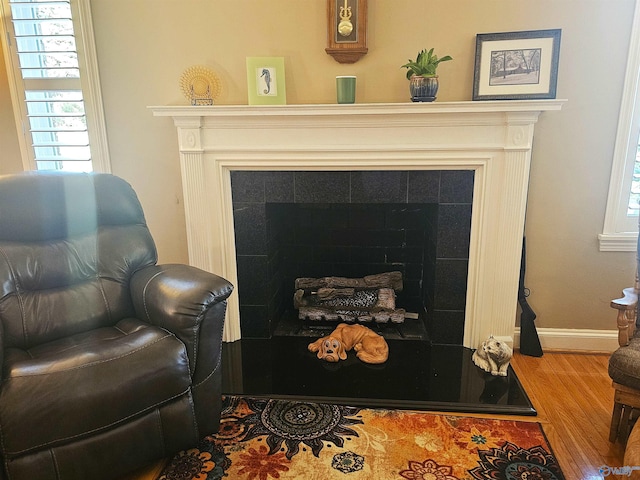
573	396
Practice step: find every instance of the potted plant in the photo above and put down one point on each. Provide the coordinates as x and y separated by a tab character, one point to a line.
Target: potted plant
421	73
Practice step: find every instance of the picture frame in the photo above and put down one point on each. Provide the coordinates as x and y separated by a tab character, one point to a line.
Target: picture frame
516	65
265	81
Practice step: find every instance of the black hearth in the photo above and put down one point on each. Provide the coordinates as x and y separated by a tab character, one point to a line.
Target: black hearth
417	376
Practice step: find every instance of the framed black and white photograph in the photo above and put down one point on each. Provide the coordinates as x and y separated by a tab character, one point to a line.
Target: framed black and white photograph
516	65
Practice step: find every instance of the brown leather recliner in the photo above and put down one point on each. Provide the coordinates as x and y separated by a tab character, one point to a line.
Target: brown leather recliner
109	361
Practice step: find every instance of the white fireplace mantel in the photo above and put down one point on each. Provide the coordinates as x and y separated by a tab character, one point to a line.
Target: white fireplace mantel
492	138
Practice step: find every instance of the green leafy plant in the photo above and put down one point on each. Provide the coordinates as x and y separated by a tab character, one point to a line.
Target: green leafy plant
425	64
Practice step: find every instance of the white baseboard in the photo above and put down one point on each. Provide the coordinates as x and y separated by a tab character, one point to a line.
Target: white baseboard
574	339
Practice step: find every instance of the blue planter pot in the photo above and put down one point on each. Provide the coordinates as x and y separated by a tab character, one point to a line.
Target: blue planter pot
423	89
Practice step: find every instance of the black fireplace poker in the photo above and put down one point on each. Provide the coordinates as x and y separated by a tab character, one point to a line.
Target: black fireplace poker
529	340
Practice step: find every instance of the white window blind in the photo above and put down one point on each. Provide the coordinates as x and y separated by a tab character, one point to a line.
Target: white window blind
49	85
633	207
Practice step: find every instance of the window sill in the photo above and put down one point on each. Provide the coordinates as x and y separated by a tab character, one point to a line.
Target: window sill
618	242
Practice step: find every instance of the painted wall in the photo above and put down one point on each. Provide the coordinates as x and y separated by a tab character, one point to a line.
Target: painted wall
145	45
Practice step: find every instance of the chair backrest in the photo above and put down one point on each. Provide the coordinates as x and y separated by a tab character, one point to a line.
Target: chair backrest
69	244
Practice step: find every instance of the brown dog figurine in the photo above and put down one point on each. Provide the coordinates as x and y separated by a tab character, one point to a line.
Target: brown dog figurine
370	347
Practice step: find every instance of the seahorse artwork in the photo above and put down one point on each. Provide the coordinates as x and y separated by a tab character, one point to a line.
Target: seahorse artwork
267	80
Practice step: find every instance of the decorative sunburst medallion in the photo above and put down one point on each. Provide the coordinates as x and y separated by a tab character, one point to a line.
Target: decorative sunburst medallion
293	423
200	85
206	461
511	461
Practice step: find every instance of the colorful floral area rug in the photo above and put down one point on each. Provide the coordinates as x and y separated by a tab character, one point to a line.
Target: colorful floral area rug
265	439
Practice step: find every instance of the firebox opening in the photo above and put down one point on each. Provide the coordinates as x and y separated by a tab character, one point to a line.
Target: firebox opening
354	241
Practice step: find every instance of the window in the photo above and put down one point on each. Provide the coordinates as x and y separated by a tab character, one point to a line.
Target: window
620	230
53	76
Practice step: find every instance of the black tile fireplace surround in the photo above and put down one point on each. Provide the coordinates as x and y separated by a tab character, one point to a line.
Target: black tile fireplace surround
291	224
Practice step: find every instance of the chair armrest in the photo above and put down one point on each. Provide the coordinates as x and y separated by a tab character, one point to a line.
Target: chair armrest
177	298
626	319
630	299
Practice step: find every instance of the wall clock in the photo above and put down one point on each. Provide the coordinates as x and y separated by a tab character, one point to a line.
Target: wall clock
347	30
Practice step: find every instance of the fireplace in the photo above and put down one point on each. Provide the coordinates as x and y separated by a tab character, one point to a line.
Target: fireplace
353	224
492	140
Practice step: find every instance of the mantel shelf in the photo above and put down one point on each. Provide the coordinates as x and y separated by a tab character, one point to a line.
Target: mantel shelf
421	108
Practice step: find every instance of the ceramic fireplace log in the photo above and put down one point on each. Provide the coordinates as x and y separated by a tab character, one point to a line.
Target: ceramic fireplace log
381	280
371	300
331	293
350	316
